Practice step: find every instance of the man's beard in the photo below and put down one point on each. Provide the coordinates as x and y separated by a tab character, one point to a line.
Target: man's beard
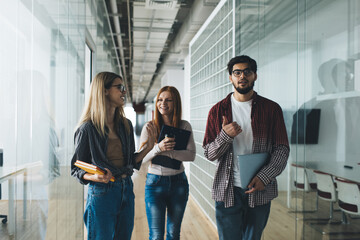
244	90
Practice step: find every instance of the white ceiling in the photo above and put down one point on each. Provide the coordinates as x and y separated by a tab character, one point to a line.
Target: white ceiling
153	36
151	27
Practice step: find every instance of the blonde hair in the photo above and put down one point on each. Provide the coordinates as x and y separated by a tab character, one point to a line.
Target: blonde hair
95	108
177	108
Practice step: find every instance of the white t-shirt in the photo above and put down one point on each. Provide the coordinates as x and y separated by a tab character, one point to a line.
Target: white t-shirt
241	113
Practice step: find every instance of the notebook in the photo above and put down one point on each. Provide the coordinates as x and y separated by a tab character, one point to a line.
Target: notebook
90	168
250	165
181	136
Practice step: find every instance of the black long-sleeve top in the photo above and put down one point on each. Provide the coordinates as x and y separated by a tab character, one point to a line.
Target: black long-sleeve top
91	147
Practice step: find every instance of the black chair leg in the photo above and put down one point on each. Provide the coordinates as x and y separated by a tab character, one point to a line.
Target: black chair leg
2	216
5	218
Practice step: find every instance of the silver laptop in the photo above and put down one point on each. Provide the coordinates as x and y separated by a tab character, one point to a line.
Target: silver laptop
250	165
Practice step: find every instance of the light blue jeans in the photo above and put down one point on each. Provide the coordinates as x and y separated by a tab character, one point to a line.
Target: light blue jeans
109	212
165	193
241	222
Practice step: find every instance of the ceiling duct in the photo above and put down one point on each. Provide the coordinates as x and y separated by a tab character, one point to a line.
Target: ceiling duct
160	4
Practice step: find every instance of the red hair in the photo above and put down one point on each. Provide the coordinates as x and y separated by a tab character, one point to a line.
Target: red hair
176	118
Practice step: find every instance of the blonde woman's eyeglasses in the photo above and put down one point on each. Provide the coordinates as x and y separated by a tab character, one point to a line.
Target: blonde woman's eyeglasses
120	87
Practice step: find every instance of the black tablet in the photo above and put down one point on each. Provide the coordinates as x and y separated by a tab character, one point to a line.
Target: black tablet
181	136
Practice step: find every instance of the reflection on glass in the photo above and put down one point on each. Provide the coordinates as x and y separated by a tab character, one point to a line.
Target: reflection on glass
208	53
41	95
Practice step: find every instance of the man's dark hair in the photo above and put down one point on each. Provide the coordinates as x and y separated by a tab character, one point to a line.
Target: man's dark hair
242	59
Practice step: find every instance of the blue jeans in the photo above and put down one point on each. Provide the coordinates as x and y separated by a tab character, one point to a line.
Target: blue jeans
109	212
240	221
165	193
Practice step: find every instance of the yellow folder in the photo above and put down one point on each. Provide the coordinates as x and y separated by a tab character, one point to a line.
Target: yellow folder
90	168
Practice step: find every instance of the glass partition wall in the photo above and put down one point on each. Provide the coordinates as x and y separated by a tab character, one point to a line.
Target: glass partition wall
308	55
208	85
42	64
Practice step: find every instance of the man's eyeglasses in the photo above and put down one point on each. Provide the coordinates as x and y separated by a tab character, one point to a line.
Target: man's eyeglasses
237	72
120	87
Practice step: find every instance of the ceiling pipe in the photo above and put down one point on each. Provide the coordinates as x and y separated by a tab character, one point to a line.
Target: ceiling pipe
130	46
147	47
112	39
199	12
116	21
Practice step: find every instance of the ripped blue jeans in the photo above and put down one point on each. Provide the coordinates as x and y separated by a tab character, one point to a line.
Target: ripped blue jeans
165	193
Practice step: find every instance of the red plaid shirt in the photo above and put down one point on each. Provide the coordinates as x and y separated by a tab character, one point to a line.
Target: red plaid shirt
269	135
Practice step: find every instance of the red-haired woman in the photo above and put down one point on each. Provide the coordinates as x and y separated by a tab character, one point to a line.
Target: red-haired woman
167	188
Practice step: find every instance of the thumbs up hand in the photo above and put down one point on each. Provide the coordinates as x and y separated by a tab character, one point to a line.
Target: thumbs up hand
231	129
225	121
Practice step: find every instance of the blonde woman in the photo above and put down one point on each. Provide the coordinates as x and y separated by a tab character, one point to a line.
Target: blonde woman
105	138
167	188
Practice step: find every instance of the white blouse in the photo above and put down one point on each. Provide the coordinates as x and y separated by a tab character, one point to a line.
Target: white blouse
180	155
